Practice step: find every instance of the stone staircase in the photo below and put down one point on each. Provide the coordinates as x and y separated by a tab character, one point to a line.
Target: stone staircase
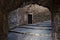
40	31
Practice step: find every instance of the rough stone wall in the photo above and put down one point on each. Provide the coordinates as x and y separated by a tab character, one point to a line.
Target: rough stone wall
16	18
57	25
39	13
22	14
20	17
56	19
3	26
13	19
40	17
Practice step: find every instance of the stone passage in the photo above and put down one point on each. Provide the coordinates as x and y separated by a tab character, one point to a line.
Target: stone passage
40	31
29	14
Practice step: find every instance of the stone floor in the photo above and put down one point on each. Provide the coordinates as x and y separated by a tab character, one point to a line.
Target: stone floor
39	31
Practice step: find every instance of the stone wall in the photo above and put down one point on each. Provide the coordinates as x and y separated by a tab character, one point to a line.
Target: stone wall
13	19
20	15
16	18
40	15
57	25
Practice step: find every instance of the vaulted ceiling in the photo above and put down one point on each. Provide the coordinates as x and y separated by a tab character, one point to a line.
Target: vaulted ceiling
9	5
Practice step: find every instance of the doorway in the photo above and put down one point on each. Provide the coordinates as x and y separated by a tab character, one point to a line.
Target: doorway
29	19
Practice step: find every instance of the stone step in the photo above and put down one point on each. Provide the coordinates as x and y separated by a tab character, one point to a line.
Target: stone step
23	30
42	24
36	27
40	31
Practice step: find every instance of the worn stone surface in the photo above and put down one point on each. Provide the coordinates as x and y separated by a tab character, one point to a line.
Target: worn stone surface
40	31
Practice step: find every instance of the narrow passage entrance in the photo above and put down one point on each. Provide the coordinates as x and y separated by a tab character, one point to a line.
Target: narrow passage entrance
29	19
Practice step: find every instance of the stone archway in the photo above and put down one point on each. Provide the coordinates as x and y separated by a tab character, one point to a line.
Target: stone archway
6	6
